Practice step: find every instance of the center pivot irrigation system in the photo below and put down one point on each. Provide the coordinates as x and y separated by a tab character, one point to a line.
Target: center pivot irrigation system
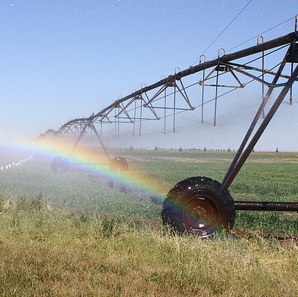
201	205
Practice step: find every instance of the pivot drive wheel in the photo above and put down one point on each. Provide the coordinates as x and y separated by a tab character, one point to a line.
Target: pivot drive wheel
198	205
60	165
119	164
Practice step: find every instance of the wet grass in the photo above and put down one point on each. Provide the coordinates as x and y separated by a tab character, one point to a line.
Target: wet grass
265	177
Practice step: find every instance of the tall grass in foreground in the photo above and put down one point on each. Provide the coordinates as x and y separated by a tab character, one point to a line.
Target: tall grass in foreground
53	253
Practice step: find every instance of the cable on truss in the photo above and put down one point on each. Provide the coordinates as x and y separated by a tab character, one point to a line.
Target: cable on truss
229	24
262	33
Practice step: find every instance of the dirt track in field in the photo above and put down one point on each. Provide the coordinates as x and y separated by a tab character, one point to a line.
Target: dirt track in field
293	160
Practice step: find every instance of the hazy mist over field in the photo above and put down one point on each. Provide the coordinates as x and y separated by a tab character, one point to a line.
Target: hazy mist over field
234	118
232	124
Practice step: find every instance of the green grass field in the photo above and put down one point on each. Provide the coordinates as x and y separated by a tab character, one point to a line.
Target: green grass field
69	235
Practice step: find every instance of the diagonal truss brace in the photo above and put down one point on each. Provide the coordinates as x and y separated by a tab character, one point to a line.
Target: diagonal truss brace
181	90
226	68
239	68
143	102
245	147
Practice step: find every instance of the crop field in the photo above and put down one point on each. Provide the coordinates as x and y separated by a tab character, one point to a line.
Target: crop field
74	235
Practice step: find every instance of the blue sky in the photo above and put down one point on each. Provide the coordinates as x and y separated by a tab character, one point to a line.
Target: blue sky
69	58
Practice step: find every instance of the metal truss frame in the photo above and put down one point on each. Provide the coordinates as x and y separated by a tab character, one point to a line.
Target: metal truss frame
155	97
170	95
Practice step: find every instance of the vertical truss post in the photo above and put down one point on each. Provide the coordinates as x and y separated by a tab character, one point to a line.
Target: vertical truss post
115	126
165	109
141	109
165	113
215	99
141	114
101	128
292	63
216	85
202	60
117	117
134	118
118	122
174	114
260	40
177	69
91	134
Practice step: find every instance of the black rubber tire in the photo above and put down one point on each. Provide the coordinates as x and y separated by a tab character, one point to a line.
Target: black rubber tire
60	165
119	164
198	205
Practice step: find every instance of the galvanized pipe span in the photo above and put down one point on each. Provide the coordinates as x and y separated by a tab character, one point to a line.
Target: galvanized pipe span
261	47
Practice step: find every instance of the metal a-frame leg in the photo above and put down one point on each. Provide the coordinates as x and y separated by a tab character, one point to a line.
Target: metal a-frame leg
242	153
90	124
100	141
116	163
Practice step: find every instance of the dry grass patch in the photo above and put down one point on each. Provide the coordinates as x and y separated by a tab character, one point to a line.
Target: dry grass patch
57	254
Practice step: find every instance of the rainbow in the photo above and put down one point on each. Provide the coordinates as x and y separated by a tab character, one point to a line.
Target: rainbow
91	161
133	181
